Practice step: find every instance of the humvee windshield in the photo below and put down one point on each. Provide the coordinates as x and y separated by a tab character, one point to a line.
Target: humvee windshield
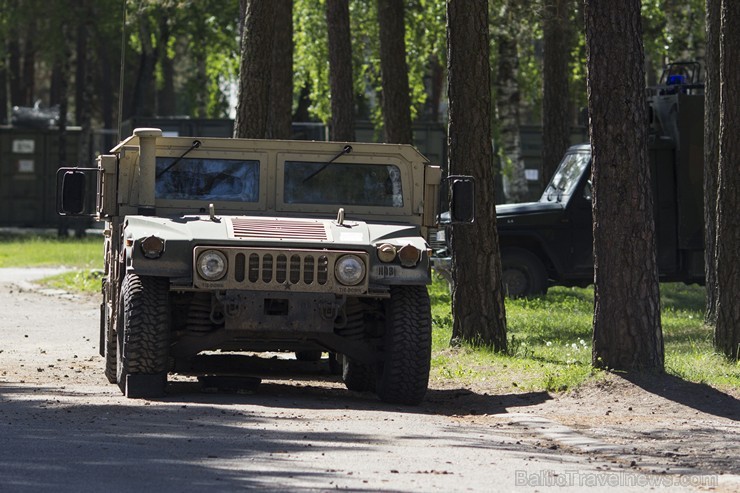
376	185
567	175
208	179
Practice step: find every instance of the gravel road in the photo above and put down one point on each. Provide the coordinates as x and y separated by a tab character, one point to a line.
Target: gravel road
64	428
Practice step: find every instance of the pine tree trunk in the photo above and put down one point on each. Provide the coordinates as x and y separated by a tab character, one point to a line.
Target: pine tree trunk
508	100
254	70
394	73
711	156
727	332
281	81
555	98
14	68
478	311
29	65
340	71
144	90
627	327
4	106
83	87
166	95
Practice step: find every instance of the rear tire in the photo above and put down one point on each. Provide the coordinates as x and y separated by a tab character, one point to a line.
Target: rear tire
111	358
523	274
143	337
357	376
407	346
109	339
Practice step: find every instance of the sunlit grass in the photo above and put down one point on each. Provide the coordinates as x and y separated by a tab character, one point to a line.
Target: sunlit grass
51	251
550	339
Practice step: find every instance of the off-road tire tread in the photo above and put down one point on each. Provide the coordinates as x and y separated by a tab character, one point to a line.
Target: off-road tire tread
357	376
146	338
110	359
407	346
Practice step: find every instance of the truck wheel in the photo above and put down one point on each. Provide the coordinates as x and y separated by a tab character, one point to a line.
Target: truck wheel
109	340
523	274
111	359
357	376
142	331
407	346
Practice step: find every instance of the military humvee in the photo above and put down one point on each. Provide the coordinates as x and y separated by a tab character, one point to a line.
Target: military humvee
237	245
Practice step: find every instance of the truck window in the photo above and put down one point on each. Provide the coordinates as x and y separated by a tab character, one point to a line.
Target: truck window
343	184
566	177
207	179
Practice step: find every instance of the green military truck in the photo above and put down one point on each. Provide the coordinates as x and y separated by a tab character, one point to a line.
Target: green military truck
236	245
550	242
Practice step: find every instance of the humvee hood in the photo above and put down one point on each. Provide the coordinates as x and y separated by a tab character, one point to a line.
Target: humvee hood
257	230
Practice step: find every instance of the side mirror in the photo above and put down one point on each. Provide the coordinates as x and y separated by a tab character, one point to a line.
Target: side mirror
462	199
72	192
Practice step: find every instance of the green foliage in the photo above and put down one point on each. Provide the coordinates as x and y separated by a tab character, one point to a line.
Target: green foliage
311	56
425	38
673	31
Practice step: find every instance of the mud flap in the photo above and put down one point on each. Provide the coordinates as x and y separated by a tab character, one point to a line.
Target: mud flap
145	386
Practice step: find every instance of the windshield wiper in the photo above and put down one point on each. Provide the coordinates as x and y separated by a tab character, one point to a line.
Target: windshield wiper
195	145
347	149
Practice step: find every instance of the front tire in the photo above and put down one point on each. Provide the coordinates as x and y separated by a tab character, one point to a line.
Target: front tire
407	346
143	337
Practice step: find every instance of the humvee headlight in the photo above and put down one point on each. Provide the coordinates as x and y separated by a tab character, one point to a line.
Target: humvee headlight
350	270
386	252
409	255
152	247
212	265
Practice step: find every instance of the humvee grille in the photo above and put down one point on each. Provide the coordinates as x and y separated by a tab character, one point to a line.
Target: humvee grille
278	228
279	270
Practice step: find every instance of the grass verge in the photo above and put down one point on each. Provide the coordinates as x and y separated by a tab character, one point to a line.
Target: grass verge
550	343
51	251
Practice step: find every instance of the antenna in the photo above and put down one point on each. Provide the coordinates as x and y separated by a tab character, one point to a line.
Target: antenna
120	82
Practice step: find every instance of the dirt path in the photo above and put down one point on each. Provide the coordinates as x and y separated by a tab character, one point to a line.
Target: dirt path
61	423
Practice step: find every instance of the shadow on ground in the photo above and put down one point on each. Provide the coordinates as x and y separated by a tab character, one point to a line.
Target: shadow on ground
698	396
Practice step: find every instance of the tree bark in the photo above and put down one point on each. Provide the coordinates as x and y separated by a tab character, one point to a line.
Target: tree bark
340	71
479	315
83	85
727	332
394	73
281	83
28	90
555	95
254	71
144	90
14	67
627	327
4	106
711	155
166	94
508	100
